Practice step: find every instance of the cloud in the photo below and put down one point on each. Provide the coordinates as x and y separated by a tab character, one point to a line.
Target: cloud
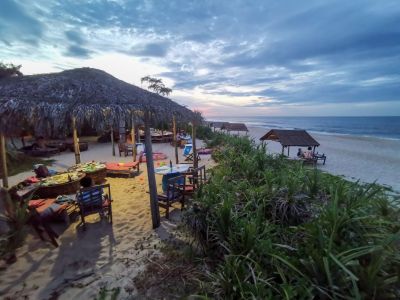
253	56
17	24
74	36
151	49
77	51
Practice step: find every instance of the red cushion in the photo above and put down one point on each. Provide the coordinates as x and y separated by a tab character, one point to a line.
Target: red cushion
36	203
121	166
106	202
156	156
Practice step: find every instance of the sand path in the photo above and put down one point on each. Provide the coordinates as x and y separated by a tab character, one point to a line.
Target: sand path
102	256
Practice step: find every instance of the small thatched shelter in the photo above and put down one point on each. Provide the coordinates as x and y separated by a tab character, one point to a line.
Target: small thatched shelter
216	124
288	138
59	103
234	127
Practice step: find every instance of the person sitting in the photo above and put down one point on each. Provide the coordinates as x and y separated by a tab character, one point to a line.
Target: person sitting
86	182
309	153
300	153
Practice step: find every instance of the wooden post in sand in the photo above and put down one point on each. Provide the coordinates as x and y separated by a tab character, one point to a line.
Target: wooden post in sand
195	161
3	158
133	136
175	140
155	212
76	142
112	140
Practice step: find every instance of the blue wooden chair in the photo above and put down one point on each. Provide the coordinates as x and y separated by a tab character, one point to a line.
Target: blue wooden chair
93	200
174	193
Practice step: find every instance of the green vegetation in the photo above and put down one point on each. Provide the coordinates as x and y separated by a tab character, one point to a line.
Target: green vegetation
273	229
15	216
204	133
18	162
9	70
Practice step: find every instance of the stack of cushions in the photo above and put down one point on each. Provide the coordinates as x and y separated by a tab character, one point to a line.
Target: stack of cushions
156	156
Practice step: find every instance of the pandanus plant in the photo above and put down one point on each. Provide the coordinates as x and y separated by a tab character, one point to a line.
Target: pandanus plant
14	217
273	229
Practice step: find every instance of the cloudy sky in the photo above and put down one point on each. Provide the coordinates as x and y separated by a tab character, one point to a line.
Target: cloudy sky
233	58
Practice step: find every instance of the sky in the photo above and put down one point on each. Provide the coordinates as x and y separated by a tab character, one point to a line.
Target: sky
223	58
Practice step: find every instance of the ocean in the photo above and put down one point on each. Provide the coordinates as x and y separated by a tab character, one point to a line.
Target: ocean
380	127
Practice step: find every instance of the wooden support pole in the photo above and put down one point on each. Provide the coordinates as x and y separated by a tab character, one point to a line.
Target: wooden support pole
3	157
288	149
283	148
112	140
195	161
133	136
76	142
175	139
155	212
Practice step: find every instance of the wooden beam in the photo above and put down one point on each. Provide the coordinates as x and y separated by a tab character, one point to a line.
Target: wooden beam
3	157
155	212
175	140
195	161
76	142
133	136
112	141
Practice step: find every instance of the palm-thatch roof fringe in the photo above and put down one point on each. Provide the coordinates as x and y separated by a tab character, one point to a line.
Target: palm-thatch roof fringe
290	138
47	102
234	126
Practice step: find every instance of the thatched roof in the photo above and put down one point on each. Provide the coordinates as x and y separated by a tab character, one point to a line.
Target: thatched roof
47	102
216	124
290	138
234	127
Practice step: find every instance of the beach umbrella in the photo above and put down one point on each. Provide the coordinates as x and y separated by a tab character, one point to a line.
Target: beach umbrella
53	103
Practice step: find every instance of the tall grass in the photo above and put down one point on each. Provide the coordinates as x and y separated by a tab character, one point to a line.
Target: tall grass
274	229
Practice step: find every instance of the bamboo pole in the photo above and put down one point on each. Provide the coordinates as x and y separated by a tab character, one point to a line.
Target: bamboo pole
3	157
155	212
112	140
195	161
133	140
76	142
175	139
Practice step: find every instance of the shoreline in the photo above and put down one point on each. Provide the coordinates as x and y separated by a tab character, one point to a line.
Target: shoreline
354	136
367	159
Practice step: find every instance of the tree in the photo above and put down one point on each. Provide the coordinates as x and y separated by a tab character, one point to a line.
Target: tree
9	70
156	85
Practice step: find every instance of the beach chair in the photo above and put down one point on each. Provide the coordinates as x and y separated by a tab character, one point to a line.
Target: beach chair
92	200
174	193
41	225
321	157
121	149
188	153
196	177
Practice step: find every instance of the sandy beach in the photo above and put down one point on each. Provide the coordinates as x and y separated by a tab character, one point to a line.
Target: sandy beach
368	159
102	257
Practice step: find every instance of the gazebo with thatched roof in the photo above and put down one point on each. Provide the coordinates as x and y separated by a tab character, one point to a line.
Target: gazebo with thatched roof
234	127
52	104
288	138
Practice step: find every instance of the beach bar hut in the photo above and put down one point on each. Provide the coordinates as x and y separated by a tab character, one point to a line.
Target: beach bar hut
238	127
58	103
288	138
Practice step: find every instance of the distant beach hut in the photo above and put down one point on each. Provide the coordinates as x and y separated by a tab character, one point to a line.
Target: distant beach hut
239	127
215	125
288	138
55	104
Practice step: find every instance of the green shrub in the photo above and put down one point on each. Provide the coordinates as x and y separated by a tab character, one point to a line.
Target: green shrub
274	229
